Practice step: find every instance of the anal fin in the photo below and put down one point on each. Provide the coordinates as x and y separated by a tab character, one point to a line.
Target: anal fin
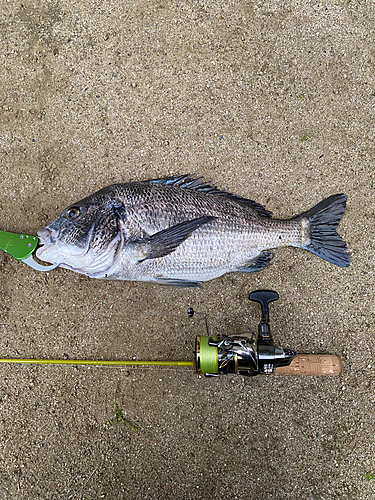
258	263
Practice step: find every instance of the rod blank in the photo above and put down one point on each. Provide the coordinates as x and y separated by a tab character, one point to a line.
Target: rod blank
96	362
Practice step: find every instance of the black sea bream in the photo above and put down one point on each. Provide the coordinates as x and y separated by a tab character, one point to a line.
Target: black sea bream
182	231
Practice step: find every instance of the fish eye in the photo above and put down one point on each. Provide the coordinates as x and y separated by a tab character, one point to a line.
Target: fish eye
73	212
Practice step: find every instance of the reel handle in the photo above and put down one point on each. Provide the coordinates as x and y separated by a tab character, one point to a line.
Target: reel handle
264	297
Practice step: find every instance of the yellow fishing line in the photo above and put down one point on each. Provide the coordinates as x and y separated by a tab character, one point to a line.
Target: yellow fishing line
96	362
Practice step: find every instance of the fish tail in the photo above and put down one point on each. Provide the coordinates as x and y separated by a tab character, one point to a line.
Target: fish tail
320	224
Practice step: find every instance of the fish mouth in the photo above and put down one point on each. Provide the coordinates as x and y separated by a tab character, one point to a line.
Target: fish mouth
47	240
47	237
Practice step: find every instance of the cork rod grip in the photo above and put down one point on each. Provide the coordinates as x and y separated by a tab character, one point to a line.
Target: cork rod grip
312	364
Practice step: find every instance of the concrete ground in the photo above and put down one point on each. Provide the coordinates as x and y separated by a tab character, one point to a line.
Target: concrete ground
271	100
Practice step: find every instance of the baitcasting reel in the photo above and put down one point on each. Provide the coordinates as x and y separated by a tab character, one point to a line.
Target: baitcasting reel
250	355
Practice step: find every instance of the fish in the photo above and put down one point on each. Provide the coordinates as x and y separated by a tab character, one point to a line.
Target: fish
182	231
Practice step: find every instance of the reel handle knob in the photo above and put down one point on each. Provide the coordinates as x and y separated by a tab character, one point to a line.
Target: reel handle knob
264	297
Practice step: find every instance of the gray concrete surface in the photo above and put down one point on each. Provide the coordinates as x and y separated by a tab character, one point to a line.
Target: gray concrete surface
269	100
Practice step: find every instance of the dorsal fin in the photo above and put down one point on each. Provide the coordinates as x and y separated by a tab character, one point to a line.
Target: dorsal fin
189	182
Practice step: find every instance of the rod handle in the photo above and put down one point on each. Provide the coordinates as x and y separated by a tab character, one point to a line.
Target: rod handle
312	364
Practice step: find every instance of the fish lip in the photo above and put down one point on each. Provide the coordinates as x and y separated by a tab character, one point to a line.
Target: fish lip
47	237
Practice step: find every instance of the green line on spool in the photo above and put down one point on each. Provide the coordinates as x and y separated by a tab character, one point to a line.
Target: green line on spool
208	356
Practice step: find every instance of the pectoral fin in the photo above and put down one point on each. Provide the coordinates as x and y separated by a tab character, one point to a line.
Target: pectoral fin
167	240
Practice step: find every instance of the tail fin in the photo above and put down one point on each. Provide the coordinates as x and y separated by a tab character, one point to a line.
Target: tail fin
324	241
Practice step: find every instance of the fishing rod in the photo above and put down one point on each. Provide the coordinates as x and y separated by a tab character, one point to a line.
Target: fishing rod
242	354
